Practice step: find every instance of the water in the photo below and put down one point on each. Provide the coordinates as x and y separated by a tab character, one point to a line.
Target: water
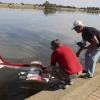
25	36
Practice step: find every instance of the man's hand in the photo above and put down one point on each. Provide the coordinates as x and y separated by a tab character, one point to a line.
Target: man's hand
77	54
83	48
79	51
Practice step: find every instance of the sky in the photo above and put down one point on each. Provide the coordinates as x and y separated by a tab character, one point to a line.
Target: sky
76	3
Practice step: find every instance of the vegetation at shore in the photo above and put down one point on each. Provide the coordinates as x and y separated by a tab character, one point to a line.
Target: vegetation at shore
48	5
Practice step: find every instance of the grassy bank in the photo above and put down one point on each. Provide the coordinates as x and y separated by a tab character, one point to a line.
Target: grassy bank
20	6
30	6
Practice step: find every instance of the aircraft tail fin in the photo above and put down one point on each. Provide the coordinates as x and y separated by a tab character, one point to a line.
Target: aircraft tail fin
1	62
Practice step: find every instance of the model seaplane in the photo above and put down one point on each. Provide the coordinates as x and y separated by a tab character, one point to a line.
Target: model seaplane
33	72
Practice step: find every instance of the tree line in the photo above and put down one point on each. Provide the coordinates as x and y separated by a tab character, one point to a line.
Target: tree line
48	5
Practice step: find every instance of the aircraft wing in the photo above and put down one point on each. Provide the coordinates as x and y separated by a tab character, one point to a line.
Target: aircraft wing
1	66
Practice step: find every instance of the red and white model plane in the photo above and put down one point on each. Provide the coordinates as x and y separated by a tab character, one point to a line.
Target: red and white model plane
33	72
34	69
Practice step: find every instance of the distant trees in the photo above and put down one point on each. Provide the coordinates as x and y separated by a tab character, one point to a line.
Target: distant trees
22	3
11	4
93	8
53	6
65	6
49	6
71	7
46	3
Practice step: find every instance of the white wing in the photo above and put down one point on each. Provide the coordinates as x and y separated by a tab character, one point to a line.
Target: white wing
1	66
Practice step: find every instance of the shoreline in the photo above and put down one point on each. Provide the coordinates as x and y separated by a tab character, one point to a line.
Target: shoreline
28	6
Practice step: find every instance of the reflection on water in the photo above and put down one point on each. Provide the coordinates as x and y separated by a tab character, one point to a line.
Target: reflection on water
93	11
53	11
49	11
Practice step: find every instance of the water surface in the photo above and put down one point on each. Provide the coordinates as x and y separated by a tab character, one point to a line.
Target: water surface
25	36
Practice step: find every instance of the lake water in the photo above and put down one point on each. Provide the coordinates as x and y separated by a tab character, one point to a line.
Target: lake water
25	36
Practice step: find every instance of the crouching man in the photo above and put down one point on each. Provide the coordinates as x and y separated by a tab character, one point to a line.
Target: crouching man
68	64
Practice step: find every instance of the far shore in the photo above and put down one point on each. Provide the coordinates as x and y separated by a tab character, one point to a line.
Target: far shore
29	6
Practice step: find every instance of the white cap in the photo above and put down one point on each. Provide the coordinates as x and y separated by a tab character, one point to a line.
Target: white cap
77	23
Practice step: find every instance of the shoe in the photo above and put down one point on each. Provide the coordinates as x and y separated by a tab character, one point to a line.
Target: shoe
70	82
84	71
60	85
85	76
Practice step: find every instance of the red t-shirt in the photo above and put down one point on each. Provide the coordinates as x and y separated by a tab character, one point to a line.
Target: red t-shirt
67	60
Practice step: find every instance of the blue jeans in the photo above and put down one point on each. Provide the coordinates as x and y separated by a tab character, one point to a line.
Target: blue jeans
91	57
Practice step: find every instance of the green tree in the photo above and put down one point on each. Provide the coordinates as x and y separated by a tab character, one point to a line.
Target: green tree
22	3
46	3
50	6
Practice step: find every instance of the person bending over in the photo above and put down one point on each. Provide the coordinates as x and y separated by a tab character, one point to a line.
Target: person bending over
91	35
68	64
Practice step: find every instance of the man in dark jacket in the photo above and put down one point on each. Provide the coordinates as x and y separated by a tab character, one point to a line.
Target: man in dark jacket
91	35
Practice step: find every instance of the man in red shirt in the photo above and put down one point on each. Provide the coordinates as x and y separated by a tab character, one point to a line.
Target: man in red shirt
69	65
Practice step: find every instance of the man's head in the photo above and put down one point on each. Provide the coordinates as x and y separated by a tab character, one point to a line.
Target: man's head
78	26
55	44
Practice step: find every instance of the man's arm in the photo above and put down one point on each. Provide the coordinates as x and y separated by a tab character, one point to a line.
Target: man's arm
53	58
93	44
79	51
